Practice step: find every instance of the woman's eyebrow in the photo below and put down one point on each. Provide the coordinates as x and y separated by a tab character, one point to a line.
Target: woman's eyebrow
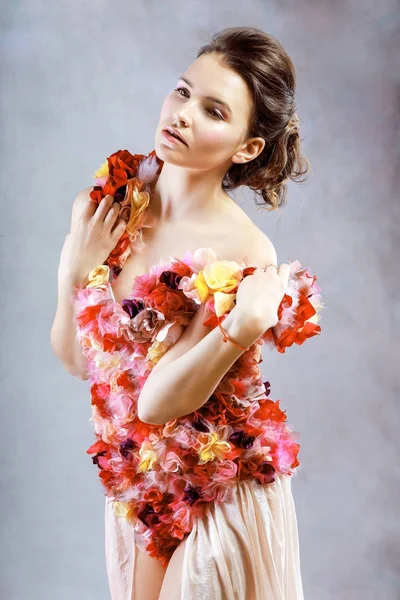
217	100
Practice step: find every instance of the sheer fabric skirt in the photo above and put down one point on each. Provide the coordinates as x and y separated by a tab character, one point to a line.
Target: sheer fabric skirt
247	549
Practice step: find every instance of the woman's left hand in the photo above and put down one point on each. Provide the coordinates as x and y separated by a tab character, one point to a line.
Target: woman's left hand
260	294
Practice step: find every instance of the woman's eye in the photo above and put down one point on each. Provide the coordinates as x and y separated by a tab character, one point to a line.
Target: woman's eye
218	114
213	111
179	89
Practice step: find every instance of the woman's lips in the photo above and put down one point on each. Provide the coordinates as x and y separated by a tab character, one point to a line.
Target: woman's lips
171	138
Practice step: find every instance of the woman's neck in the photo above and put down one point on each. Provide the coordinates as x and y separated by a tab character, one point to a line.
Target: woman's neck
179	194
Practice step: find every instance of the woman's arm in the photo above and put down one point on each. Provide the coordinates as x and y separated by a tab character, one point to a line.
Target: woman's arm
63	332
188	373
63	335
180	386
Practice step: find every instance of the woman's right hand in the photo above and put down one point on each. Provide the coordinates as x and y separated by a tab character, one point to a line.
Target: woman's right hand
94	234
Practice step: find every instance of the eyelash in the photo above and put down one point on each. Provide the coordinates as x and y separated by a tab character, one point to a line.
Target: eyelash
216	113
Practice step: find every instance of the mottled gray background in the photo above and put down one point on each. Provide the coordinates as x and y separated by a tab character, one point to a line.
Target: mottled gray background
80	80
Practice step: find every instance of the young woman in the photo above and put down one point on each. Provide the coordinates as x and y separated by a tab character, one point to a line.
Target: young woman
234	112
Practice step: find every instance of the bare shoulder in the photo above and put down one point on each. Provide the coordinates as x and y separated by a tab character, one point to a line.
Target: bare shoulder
249	241
264	250
258	247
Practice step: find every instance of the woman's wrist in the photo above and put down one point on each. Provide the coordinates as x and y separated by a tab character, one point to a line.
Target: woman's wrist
71	280
242	328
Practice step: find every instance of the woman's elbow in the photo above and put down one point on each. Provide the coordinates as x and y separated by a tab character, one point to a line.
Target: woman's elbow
145	417
76	372
144	414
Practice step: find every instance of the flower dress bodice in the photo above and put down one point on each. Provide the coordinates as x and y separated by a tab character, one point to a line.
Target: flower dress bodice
162	476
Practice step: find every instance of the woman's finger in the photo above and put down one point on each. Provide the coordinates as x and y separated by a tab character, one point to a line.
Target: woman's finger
118	231
268	267
283	272
103	208
283	269
89	209
112	215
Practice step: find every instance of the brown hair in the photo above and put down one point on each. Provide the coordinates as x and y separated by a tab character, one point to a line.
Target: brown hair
270	75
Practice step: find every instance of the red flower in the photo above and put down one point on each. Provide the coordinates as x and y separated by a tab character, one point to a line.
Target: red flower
270	410
155	498
168	301
291	335
256	467
98	446
123	168
99	393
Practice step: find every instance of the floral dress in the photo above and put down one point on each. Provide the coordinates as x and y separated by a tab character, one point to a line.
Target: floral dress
220	476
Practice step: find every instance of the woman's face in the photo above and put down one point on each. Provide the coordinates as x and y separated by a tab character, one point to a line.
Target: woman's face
213	132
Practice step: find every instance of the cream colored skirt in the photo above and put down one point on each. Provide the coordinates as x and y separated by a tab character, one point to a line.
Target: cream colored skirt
241	550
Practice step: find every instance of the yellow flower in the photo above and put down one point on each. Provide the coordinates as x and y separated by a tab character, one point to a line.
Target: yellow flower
222	275
212	447
148	457
156	351
201	285
223	302
107	360
99	276
103	170
219	278
138	202
121	509
315	318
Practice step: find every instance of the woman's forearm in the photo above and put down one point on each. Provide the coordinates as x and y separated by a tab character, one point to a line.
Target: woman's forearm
63	336
186	383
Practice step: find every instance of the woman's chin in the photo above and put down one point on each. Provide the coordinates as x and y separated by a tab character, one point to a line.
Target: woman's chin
169	154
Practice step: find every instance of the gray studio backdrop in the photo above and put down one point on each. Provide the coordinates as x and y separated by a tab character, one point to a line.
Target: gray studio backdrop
80	80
